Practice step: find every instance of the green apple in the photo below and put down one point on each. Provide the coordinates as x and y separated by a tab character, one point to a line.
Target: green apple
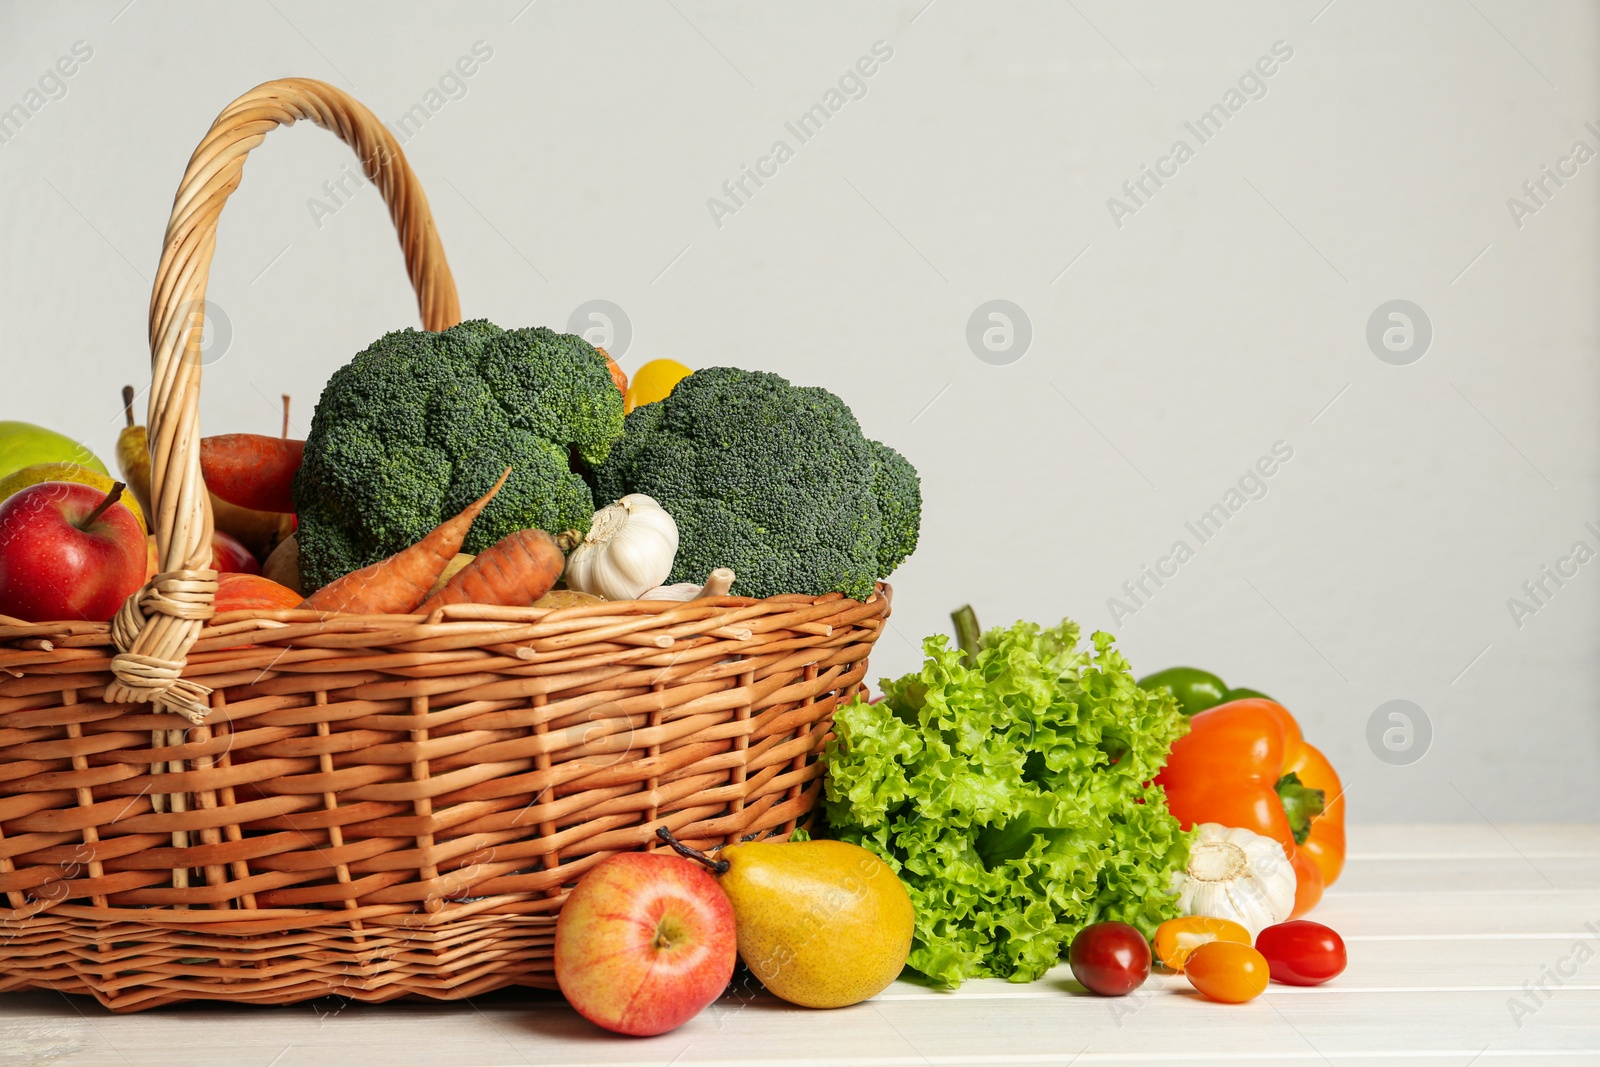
22	444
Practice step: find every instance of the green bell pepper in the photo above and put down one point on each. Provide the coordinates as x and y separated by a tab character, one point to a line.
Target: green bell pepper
1196	690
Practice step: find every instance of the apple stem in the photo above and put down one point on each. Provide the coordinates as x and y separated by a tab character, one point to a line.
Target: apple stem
127	403
112	496
285	434
713	865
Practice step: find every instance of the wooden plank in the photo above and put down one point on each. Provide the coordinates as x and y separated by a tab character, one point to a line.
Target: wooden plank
1164	1026
1433	839
1457	914
1530	872
1468	944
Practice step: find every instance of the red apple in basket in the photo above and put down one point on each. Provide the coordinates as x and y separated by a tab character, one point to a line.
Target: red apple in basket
68	551
231	557
644	942
228	556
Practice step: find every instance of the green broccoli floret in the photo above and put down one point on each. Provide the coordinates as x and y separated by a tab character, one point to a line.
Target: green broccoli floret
421	424
771	479
899	492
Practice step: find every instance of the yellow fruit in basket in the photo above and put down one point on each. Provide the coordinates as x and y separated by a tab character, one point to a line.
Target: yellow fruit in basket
451	569
133	460
69	472
556	599
283	565
22	444
823	924
654	381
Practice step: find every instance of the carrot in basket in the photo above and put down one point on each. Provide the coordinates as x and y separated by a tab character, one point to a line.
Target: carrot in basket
393	586
515	571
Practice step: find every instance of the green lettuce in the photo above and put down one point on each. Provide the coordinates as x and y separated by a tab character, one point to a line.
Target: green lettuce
1013	797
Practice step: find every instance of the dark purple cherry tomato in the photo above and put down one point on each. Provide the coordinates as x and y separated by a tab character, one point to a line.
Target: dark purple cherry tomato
1111	958
1302	952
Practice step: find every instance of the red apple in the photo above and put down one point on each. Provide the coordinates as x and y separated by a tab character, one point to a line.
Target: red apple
644	942
229	556
68	551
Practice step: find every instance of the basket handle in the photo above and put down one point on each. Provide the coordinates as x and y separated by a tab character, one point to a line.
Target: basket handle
159	624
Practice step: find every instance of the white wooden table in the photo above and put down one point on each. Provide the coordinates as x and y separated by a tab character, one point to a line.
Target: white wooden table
1449	928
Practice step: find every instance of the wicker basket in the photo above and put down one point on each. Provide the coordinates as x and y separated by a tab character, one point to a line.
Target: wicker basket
274	806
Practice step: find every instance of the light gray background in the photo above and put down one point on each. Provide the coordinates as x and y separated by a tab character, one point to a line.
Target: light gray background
1168	354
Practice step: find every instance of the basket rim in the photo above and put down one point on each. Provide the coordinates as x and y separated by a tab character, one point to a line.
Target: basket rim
464	617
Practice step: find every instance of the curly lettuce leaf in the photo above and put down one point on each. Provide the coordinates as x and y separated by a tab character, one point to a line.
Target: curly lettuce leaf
1012	797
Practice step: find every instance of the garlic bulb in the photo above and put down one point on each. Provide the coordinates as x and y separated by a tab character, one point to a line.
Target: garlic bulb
629	548
1239	875
718	582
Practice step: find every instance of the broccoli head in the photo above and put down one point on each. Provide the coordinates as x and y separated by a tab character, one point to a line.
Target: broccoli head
421	424
771	479
899	492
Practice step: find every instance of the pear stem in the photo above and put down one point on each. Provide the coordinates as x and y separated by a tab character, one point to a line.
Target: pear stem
127	403
100	509
714	866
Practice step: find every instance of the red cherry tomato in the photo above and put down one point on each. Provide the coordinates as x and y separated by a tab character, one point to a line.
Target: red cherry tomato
1302	952
1110	958
1227	971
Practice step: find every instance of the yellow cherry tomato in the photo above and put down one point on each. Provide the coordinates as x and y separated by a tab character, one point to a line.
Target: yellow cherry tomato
1176	938
1227	971
654	381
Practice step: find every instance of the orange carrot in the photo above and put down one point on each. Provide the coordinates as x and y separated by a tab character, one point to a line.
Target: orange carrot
618	377
514	572
393	586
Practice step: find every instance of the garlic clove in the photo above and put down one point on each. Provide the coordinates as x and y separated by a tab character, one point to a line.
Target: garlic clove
717	584
682	591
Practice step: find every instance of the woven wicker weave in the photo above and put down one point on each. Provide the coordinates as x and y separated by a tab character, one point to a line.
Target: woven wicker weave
271	807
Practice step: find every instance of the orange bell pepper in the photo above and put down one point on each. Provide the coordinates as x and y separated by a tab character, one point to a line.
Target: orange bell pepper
1246	764
1324	843
1308	885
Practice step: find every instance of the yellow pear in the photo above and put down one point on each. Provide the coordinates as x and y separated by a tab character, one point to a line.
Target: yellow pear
69	472
823	924
133	455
